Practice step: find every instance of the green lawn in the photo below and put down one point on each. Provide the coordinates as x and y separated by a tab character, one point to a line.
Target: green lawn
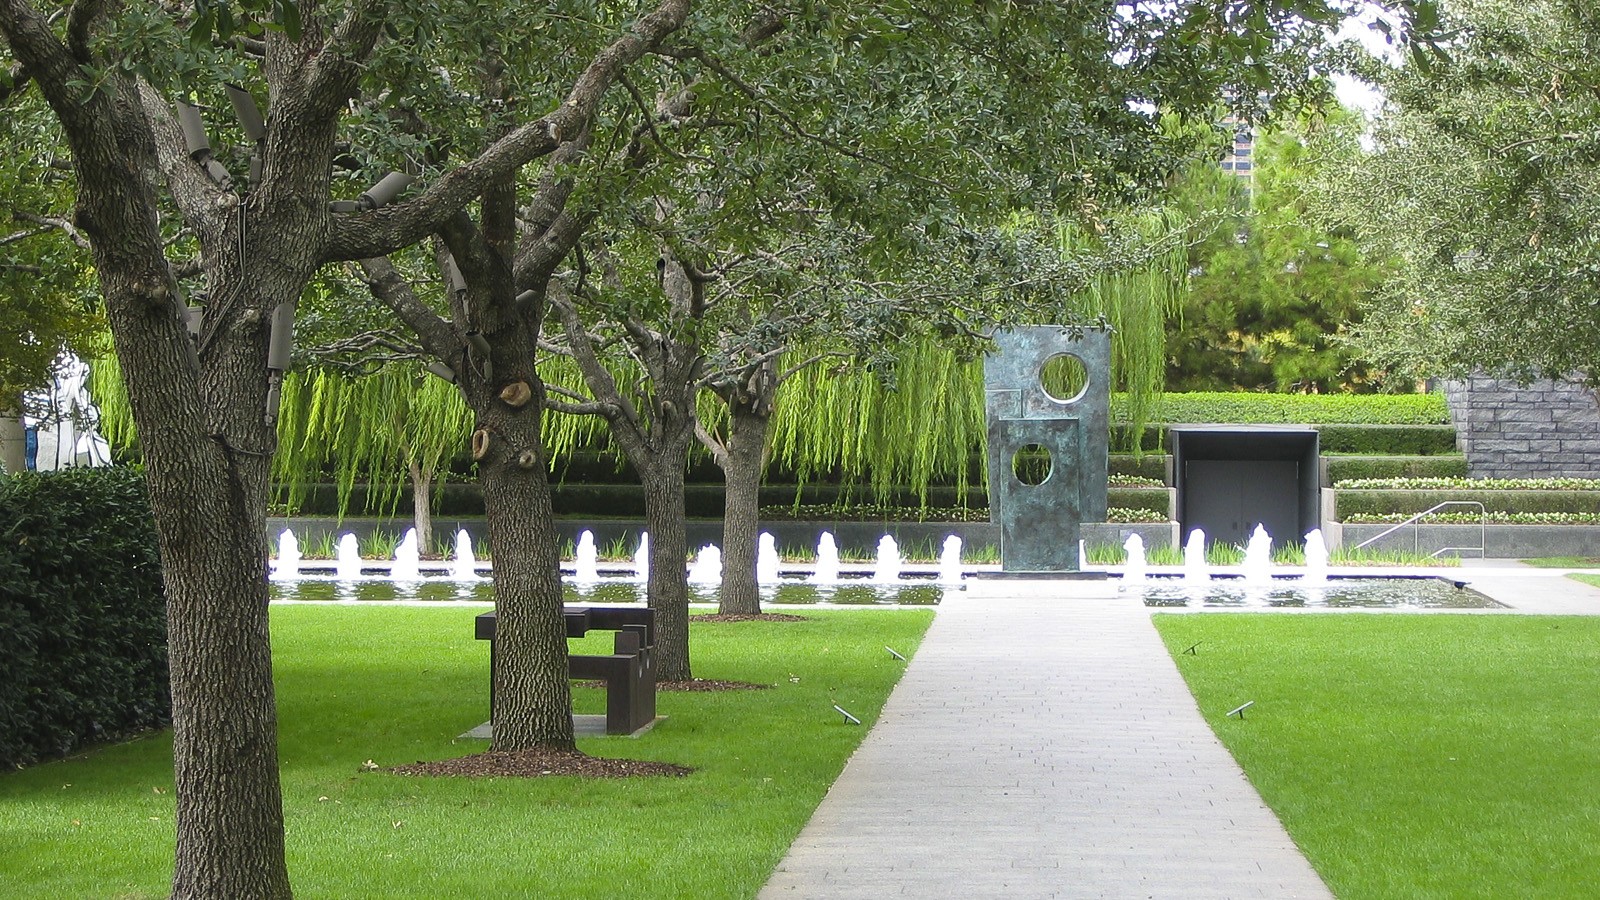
1415	756
395	685
1564	562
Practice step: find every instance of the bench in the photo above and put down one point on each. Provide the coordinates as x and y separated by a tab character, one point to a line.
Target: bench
628	671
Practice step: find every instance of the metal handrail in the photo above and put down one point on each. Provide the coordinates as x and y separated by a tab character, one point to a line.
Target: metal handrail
1416	537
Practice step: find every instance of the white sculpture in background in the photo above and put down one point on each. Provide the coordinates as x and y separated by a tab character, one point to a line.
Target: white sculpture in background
287	565
64	433
348	566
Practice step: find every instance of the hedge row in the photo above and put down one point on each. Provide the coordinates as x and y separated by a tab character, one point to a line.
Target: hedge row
1363	440
1492	518
82	612
1342	469
874	512
1295	409
1475	484
1350	503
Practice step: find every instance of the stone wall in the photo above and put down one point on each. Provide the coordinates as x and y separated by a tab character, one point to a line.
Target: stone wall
1545	430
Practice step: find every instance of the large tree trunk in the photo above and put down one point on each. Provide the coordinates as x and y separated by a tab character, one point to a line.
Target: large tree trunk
741	519
229	811
533	697
668	586
206	458
533	694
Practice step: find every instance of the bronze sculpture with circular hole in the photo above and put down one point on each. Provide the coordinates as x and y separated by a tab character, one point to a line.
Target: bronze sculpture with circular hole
1047	399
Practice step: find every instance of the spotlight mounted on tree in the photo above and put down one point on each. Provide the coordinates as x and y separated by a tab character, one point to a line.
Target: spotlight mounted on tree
384	192
453	277
377	196
194	137
280	347
250	119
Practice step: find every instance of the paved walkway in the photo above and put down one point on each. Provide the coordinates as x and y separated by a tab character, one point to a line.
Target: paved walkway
1071	764
1074	764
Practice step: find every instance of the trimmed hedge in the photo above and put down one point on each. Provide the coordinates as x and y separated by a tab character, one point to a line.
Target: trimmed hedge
82	612
1294	409
1351	503
1492	518
874	513
1388	440
1147	465
1363	440
1349	468
1475	484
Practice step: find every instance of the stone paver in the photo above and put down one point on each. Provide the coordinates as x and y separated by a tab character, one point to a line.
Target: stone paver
1068	762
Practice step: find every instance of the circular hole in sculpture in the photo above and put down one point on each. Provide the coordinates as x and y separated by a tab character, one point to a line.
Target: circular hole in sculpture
1031	464
1064	378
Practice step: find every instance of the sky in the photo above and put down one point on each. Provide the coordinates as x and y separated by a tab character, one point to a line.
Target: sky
1351	92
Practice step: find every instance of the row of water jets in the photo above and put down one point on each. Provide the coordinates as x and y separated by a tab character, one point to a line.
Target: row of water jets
1256	568
706	568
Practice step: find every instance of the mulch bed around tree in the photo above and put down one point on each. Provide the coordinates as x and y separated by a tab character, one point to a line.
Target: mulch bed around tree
709	684
747	617
540	764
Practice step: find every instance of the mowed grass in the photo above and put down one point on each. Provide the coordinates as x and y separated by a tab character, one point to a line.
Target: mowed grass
1564	562
395	685
1415	756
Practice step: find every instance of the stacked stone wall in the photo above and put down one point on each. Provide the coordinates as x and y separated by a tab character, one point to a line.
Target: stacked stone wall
1549	429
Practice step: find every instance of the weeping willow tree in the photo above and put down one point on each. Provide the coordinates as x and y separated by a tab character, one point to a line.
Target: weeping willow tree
924	422
369	429
395	426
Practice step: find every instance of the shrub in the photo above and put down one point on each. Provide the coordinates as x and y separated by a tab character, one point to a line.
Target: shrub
1365	440
83	613
1388	440
1295	409
874	512
1474	484
1148	465
1342	470
1408	503
1493	517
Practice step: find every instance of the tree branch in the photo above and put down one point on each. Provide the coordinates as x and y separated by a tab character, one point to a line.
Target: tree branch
388	287
48	222
360	235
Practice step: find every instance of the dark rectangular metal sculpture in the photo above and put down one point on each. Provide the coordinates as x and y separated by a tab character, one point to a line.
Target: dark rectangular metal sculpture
1040	522
629	671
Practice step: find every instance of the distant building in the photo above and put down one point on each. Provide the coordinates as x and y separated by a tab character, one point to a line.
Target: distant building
1239	158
